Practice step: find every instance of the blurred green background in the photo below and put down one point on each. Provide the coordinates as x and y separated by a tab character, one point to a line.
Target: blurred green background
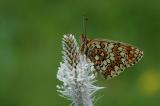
30	48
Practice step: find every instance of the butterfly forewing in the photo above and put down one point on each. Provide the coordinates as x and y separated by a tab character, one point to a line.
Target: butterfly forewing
111	57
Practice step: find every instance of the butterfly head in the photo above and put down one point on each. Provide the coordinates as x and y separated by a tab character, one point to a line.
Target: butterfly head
84	42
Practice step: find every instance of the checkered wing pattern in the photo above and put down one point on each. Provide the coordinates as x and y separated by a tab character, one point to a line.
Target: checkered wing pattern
110	58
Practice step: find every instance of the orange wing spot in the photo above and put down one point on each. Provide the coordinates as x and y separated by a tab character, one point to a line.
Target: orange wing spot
128	49
130	56
102	54
98	62
129	59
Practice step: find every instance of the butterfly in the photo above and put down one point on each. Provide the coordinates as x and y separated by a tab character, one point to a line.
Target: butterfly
110	57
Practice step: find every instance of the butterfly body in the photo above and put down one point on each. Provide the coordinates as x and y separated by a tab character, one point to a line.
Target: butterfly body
110	58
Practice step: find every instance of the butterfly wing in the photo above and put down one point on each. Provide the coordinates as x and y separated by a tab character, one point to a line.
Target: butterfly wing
110	58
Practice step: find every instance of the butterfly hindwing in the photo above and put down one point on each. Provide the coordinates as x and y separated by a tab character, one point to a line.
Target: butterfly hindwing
111	57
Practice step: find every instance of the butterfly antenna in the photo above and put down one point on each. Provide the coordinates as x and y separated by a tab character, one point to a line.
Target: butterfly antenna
85	19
